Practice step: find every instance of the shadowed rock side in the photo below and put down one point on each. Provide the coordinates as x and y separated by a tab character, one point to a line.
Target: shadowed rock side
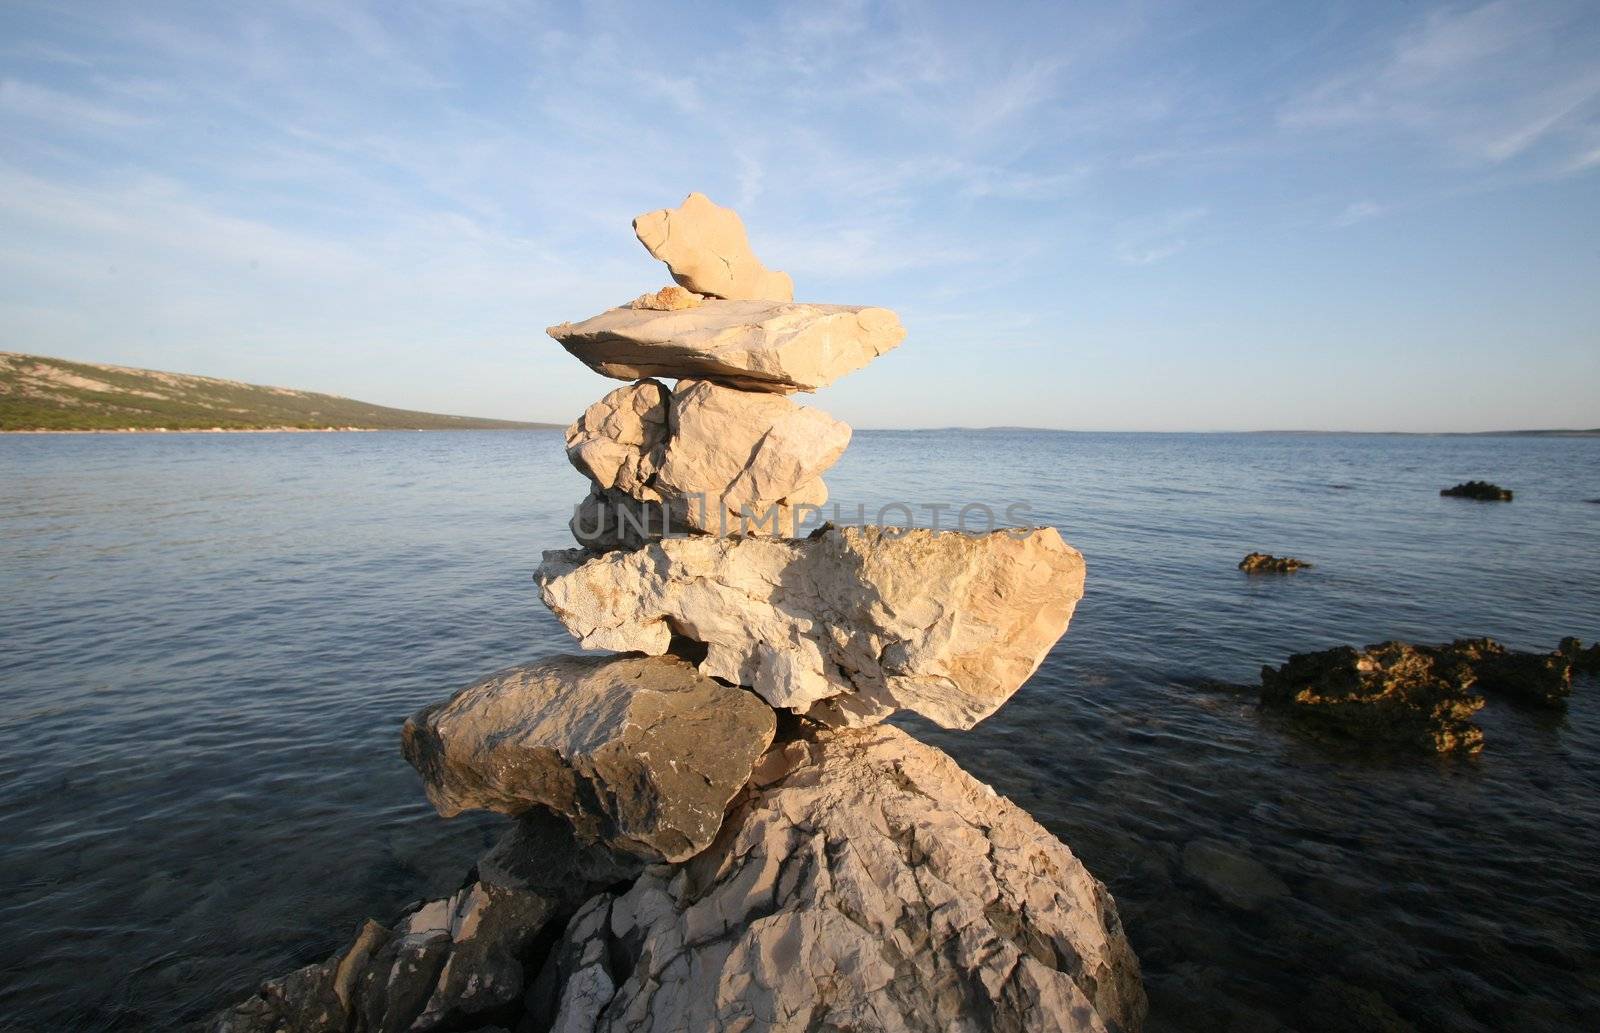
461	963
866	882
846	626
642	753
1482	491
752	345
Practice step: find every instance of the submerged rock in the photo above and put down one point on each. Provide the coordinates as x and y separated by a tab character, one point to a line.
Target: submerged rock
865	882
1234	877
1263	563
1391	693
753	345
641	753
846	626
1483	491
705	247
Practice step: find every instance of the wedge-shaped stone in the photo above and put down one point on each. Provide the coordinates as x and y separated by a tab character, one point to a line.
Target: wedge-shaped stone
707	250
642	754
873	885
755	345
846	626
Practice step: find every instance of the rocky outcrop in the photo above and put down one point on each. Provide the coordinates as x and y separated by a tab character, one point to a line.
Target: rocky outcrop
1263	563
865	882
670	868
463	962
1482	491
1392	693
707	251
753	345
641	753
1423	696
846	626
1543	679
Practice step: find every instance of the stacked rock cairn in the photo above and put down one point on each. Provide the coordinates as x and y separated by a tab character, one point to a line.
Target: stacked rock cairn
712	827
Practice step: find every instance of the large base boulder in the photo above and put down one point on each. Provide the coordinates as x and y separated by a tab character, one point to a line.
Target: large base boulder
845	626
641	753
865	882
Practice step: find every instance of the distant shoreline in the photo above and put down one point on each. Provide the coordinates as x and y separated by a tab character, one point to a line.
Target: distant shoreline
271	430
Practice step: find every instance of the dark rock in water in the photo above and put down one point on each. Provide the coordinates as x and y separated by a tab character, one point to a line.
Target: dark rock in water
1483	491
1584	661
1234	877
1423	696
1544	679
1391	693
1262	563
464	962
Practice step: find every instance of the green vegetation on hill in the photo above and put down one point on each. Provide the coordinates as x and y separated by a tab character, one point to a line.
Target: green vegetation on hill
38	393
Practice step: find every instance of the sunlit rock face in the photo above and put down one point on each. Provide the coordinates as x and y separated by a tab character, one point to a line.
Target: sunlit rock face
864	882
846	626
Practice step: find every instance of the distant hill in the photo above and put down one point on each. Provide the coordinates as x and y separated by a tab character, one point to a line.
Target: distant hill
38	393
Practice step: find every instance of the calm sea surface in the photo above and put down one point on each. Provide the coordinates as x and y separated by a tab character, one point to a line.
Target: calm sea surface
208	644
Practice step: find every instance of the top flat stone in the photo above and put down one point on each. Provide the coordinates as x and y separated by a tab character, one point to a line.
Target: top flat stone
754	345
707	251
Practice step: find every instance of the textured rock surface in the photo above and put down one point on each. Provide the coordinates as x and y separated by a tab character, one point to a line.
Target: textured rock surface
459	963
667	299
620	441
866	883
847	625
640	753
1392	693
707	250
755	345
720	458
1265	563
1543	679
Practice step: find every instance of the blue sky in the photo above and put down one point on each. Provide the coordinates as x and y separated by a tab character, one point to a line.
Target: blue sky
1137	216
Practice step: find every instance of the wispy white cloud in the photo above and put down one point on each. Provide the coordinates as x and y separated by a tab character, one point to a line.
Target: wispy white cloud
1491	82
43	104
1151	239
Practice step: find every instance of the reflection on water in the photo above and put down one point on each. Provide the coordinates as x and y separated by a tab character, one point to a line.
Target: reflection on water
209	644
